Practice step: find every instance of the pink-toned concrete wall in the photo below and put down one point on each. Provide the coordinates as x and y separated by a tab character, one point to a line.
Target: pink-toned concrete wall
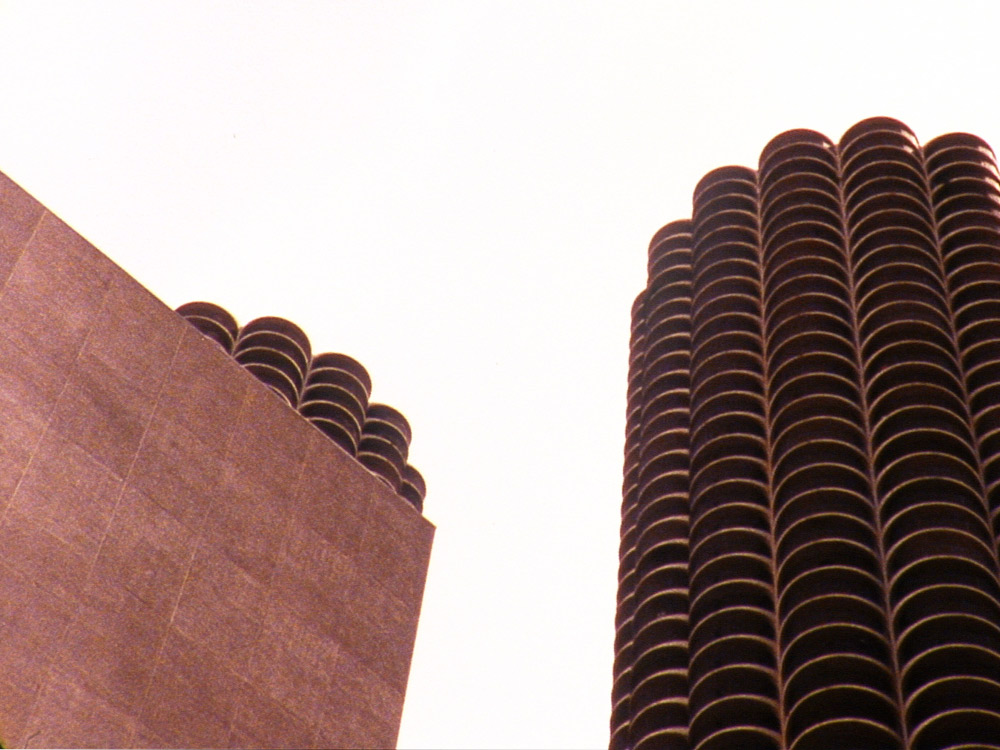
185	560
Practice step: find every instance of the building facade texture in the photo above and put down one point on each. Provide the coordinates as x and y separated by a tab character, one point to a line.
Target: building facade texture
811	511
188	561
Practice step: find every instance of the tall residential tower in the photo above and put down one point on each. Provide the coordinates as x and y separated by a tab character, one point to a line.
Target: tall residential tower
812	464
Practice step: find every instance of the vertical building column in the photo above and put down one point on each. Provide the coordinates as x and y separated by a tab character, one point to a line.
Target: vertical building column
621	690
660	654
837	678
932	510
965	195
965	191
733	692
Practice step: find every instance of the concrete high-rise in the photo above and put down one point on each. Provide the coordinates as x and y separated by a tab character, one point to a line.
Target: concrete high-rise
811	506
203	546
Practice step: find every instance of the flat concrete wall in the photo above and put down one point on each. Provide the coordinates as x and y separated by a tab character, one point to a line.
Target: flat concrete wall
185	560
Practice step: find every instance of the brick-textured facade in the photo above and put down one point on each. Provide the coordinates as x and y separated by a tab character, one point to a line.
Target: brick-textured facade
812	476
186	561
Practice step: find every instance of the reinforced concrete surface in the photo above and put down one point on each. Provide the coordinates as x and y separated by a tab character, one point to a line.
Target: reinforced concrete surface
186	560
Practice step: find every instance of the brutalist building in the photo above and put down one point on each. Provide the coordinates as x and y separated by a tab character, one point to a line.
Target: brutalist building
211	538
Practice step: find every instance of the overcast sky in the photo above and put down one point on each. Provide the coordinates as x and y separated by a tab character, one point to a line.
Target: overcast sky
460	196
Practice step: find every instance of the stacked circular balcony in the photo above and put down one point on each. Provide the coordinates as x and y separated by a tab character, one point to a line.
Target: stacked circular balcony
330	390
939	551
413	488
335	398
733	692
214	322
385	439
277	352
829	581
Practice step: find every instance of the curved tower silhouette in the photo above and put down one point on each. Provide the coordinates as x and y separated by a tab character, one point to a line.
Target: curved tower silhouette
811	503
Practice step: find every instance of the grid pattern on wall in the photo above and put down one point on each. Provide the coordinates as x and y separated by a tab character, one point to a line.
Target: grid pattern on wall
189	562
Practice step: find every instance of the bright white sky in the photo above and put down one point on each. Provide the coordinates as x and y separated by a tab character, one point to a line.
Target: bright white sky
460	195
